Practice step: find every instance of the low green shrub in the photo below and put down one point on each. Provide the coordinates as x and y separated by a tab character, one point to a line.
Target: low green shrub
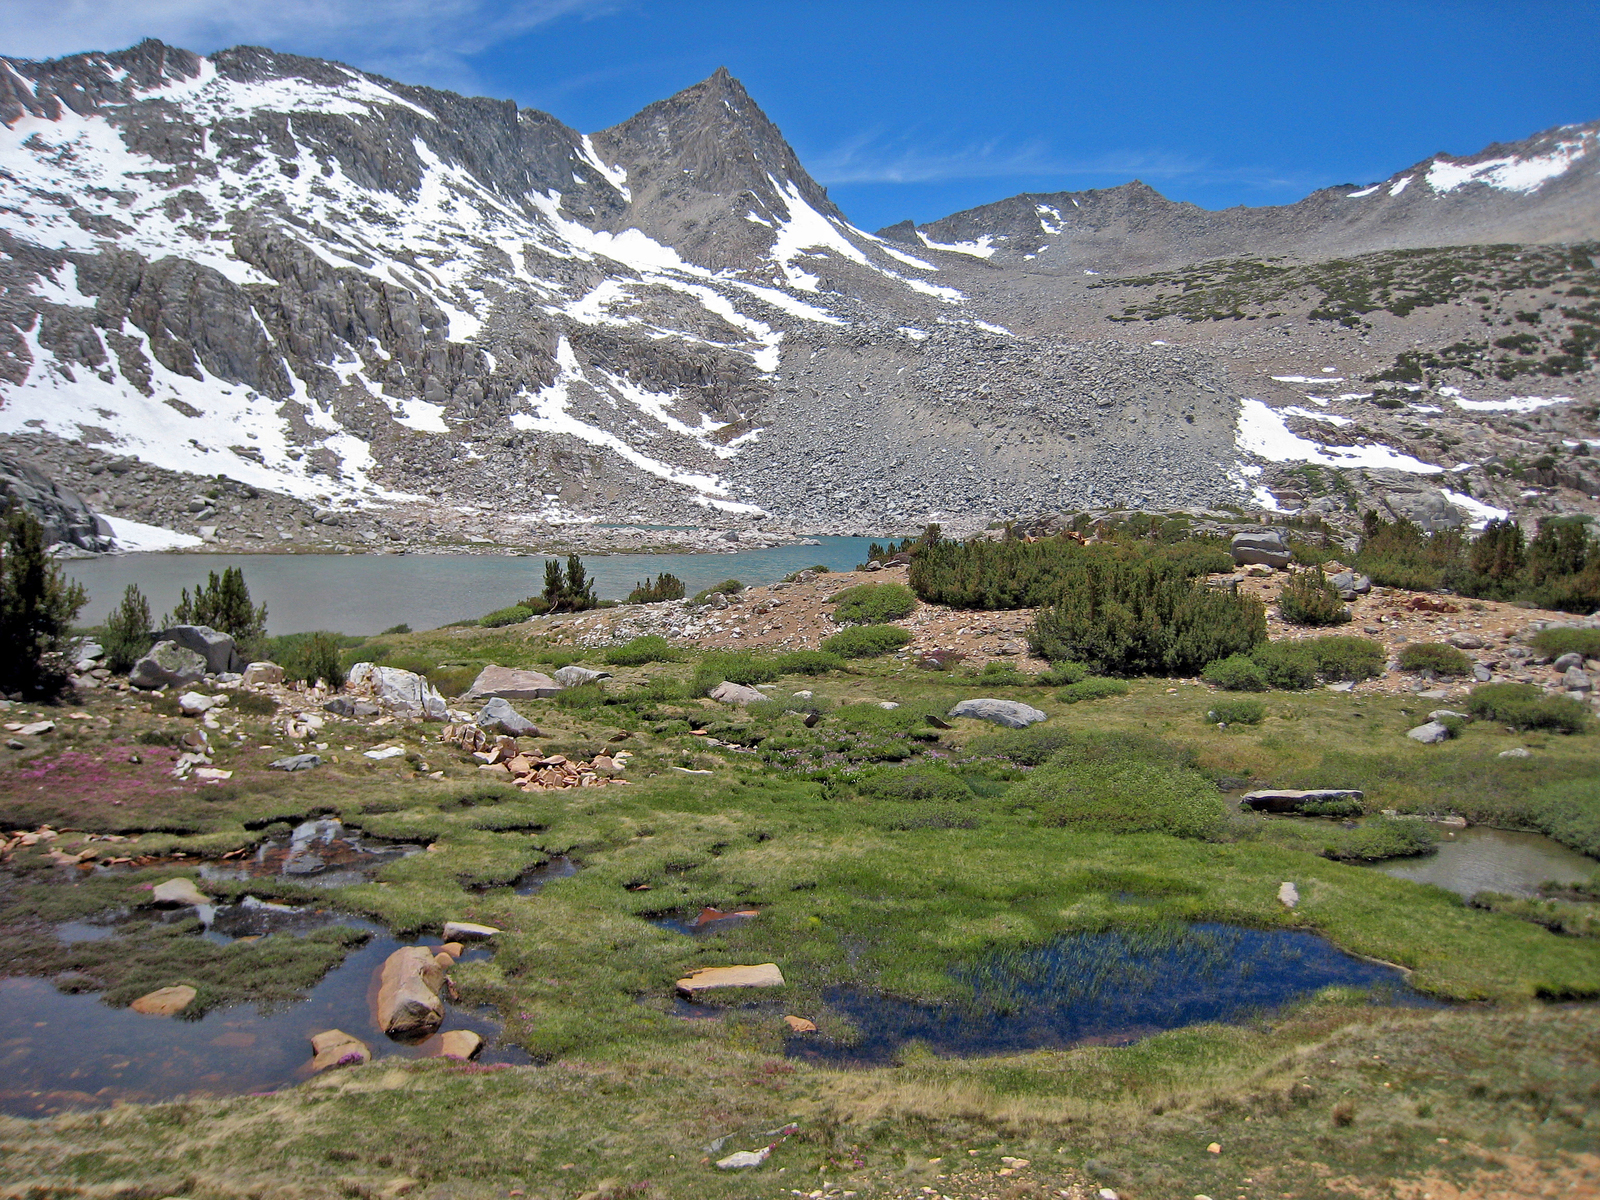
1289	666
1307	598
1123	785
513	615
1524	706
1062	673
308	657
866	641
1341	657
652	591
649	648
452	680
728	587
1236	673
731	666
1026	747
808	662
1556	642
1437	657
873	604
1096	687
1002	674
1237	711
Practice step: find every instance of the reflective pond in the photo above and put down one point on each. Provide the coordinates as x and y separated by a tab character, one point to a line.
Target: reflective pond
61	1051
322	852
1477	859
1108	988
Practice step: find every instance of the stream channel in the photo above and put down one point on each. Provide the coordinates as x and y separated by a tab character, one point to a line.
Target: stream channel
364	593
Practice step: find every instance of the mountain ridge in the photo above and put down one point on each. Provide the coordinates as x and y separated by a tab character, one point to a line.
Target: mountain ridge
409	314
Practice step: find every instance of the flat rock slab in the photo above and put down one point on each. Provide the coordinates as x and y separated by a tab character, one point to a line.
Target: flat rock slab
761	975
466	931
297	762
508	683
1288	800
460	1043
336	1048
178	892
736	693
1010	713
164	1002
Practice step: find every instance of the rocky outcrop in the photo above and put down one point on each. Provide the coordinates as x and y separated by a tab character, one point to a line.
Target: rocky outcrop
399	691
67	520
217	649
737	693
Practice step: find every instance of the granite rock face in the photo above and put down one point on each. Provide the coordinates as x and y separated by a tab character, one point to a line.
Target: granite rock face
67	520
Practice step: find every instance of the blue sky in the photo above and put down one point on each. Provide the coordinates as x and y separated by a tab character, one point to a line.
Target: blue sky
918	110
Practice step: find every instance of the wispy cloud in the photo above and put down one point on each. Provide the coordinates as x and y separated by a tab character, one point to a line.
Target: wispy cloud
870	157
418	41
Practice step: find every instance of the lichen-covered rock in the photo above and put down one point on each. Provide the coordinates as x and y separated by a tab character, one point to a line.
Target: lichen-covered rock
217	649
167	664
1011	713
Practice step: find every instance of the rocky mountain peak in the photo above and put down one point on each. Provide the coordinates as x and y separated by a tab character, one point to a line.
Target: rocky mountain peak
700	162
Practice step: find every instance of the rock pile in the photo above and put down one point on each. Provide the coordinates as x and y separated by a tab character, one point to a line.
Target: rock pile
502	757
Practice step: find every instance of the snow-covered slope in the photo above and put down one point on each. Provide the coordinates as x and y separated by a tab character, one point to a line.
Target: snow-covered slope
321	282
343	293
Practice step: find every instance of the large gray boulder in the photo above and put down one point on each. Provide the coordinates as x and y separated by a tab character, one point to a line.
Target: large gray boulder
167	665
508	683
498	714
736	693
1291	800
1430	734
575	676
1265	547
1010	713
216	648
1349	585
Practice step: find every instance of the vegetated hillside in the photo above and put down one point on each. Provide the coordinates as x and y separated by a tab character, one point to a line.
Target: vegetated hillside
383	310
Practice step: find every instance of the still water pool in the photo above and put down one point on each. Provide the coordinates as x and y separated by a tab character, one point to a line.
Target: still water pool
1493	860
1108	988
61	1051
367	593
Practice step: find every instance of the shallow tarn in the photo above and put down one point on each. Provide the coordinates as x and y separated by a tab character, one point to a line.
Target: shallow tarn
61	1051
1477	859
1107	988
322	851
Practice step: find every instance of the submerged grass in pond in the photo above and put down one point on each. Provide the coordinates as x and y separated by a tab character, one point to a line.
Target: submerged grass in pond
1107	988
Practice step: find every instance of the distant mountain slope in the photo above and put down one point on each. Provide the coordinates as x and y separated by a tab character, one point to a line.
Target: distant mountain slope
364	302
1543	189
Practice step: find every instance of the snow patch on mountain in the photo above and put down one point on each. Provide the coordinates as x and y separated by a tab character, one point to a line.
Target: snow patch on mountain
1512	174
982	248
1263	433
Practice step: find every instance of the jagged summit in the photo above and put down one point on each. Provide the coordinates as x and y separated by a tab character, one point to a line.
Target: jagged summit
700	162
